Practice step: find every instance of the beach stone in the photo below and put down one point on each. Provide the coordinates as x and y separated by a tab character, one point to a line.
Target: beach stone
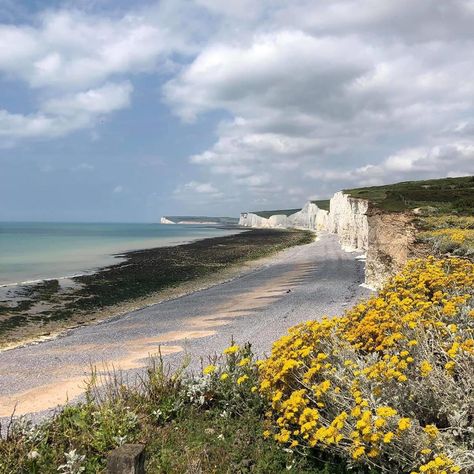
127	459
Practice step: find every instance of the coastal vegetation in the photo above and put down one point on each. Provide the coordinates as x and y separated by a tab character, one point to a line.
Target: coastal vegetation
322	204
447	195
280	212
42	308
386	387
215	421
448	234
389	384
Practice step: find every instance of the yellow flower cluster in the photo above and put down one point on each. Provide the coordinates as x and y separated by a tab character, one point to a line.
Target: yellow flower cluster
441	464
363	385
447	221
449	233
455	235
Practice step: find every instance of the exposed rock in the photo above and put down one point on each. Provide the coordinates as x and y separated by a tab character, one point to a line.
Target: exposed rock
391	243
164	220
310	217
388	238
348	219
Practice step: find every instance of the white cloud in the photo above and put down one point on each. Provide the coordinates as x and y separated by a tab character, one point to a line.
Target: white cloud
65	114
78	65
197	187
198	193
106	99
73	50
83	167
325	94
456	159
317	95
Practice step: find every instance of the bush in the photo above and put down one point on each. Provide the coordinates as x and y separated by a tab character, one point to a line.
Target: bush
448	234
388	385
214	420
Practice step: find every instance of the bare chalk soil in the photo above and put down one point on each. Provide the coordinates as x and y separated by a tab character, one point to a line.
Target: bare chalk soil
296	285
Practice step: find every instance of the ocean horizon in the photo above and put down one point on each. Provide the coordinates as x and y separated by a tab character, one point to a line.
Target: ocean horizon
36	251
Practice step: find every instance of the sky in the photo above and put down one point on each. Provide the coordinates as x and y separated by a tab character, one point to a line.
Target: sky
123	111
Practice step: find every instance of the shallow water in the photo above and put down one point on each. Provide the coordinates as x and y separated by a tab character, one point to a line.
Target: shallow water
32	251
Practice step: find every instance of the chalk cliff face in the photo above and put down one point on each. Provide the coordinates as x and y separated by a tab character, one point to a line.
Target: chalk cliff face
391	244
310	217
387	238
348	219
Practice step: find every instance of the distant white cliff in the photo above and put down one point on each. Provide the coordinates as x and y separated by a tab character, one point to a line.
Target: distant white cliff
387	238
164	220
310	217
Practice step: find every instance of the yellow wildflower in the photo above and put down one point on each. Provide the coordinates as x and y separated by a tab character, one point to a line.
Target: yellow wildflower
425	368
209	369
404	424
231	349
242	379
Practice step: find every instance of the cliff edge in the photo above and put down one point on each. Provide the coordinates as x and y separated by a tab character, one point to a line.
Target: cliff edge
388	238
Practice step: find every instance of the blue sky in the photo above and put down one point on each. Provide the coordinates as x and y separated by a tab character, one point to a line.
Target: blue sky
120	111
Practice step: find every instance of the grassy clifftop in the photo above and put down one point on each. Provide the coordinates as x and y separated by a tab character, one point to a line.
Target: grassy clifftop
280	212
322	204
447	195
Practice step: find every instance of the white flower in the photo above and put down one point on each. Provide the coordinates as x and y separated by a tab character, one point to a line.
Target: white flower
33	455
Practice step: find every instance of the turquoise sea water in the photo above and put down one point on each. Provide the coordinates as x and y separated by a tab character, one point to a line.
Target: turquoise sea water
35	251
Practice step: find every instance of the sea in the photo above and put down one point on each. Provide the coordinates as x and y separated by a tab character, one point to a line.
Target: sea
35	251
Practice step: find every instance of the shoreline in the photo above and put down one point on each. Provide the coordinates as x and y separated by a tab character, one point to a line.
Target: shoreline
217	275
256	302
118	255
166	294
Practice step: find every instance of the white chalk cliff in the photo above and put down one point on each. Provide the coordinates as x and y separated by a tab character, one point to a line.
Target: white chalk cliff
310	217
387	238
348	219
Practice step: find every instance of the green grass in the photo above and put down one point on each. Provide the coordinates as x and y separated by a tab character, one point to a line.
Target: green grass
322	204
447	195
280	212
199	424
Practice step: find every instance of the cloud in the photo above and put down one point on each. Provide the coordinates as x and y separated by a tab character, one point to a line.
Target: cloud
448	160
79	65
103	100
83	167
118	189
316	95
65	114
264	75
322	94
70	49
197	187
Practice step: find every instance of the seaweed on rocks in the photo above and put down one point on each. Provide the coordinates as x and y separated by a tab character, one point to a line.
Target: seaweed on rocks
44	307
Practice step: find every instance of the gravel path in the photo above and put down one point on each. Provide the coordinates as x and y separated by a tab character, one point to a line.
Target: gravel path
298	284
